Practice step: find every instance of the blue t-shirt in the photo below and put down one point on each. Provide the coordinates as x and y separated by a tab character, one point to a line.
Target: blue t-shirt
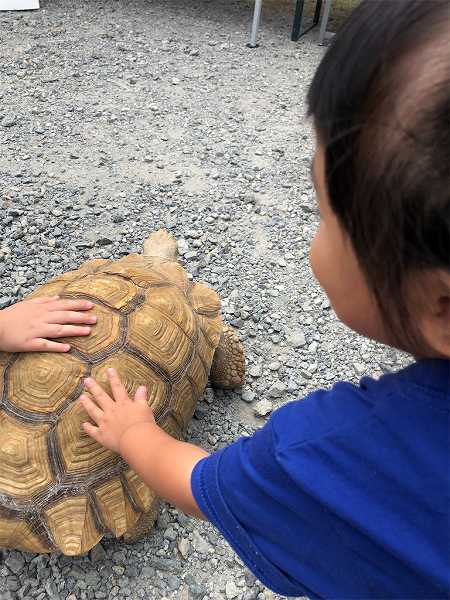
344	494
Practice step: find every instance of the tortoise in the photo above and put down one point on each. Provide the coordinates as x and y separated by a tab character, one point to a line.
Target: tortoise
59	489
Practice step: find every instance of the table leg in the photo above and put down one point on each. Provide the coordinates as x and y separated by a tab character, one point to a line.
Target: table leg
297	20
324	22
255	24
296	27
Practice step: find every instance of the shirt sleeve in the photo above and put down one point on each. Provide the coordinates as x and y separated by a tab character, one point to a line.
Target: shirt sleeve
256	492
238	488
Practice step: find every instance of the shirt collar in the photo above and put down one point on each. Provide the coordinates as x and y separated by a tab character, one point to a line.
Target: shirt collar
431	373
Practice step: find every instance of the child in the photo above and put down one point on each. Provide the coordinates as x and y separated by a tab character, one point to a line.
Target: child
25	326
345	494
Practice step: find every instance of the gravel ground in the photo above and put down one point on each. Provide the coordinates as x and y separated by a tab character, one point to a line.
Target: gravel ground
123	116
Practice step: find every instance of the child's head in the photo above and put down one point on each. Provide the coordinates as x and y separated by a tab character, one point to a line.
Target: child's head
380	101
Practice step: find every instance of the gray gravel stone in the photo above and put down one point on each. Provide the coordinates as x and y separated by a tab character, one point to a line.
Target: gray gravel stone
250	595
148	572
255	371
173	582
277	389
9	120
97	553
263	408
183	246
197	590
231	590
184	547
296	338
15	562
199	543
104	241
12	584
359	368
165	564
170	534
248	396
51	590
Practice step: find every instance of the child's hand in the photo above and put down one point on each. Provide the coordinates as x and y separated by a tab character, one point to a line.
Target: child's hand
114	416
25	326
128	427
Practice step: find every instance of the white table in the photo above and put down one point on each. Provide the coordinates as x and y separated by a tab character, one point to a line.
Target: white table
19	4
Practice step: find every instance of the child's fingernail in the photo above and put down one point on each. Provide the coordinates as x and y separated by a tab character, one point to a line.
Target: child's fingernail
93	319
66	347
89	304
88	381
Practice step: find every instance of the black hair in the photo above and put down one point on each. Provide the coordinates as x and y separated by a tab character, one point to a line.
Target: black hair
380	101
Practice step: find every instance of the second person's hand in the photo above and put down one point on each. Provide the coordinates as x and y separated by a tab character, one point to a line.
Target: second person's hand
28	325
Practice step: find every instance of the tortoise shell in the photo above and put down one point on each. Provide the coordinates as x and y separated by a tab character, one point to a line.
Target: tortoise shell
59	489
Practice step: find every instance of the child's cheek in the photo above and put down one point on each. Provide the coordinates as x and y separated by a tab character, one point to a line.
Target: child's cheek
323	257
318	256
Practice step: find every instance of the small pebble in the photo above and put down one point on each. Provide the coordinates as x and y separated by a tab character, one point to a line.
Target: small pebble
255	371
248	396
263	408
277	389
9	121
231	591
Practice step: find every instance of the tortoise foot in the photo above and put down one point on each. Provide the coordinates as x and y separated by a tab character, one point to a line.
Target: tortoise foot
228	366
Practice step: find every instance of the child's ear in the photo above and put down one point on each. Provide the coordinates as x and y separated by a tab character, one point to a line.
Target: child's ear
435	322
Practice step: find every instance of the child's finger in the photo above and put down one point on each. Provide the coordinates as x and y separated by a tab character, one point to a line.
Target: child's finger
92	431
117	387
67	304
99	394
71	316
91	408
57	331
43	299
43	345
141	395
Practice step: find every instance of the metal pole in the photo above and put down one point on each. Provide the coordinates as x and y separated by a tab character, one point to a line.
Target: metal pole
296	27
255	25
317	11
324	22
297	20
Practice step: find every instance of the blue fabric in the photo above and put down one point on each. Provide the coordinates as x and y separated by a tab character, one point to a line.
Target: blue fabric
344	494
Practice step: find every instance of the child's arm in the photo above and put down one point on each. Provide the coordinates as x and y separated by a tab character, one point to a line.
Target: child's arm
25	326
129	428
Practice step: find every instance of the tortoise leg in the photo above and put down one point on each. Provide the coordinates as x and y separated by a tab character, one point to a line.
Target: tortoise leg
144	525
228	365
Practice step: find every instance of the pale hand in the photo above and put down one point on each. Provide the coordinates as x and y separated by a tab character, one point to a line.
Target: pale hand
114	416
27	325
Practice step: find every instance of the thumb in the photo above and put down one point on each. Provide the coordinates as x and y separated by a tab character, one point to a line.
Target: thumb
141	395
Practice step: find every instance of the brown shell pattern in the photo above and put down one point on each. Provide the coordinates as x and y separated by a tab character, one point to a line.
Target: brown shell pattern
59	489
